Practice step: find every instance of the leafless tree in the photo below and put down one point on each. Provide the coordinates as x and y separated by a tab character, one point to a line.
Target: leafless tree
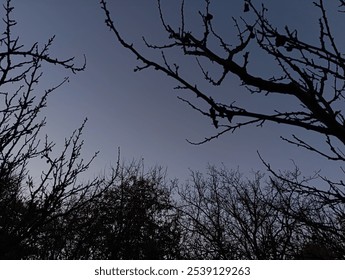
28	205
133	219
316	209
226	216
310	74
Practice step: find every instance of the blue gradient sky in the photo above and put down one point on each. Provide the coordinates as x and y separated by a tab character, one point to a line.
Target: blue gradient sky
139	112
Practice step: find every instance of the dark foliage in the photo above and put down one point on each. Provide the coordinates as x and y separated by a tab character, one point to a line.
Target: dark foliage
27	206
133	214
132	219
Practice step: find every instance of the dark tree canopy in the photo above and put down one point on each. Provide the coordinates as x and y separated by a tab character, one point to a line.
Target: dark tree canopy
132	219
134	213
135	218
27	206
227	216
311	73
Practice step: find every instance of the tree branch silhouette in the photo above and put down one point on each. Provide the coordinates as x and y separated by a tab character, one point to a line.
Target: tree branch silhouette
305	70
29	206
311	75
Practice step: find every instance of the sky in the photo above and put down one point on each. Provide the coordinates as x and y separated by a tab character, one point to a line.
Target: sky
140	112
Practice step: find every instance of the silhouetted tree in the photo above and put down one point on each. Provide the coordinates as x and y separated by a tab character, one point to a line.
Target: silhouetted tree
133	219
12	210
310	74
225	216
321	215
28	207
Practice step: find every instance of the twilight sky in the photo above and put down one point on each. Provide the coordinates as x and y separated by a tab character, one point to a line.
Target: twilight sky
140	112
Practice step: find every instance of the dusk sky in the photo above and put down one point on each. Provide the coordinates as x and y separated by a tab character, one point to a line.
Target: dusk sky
140	112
